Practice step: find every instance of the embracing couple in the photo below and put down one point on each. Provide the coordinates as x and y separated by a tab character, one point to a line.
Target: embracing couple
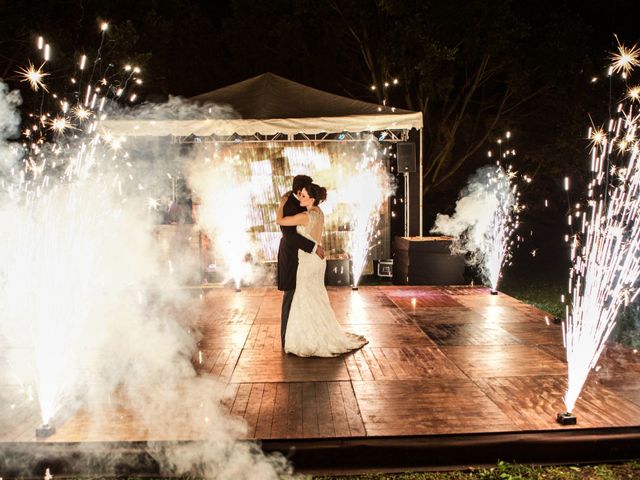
308	326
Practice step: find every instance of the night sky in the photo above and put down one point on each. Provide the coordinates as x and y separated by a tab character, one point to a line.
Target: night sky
540	55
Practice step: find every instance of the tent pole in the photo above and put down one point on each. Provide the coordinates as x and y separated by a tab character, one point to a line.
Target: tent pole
421	193
406	205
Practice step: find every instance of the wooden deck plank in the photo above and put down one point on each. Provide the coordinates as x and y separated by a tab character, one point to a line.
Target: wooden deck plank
253	408
352	367
469	334
384	335
338	410
279	427
354	419
435	407
266	414
360	361
230	392
275	366
326	427
503	360
535	333
294	412
310	426
242	400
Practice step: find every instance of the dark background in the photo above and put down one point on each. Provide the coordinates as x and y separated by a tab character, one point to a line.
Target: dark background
474	68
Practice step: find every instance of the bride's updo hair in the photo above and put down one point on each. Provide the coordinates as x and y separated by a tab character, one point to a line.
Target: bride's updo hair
318	193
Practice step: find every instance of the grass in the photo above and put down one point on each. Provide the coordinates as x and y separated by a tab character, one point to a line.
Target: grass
507	471
538	284
543	294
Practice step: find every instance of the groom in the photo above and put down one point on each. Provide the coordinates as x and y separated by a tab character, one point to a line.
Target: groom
290	243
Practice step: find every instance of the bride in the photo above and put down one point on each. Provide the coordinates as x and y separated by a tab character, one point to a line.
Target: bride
313	330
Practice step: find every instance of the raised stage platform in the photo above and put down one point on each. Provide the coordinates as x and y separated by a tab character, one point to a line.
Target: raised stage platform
451	376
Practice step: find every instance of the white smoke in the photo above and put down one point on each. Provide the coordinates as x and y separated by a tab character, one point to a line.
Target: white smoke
484	219
91	320
9	128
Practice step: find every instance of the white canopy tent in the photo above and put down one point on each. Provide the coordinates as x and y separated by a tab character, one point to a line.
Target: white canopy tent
271	108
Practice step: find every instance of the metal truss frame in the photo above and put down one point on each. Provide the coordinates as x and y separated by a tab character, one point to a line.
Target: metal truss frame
389	135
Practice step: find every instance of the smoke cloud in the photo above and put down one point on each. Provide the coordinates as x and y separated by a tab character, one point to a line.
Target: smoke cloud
483	221
9	128
93	319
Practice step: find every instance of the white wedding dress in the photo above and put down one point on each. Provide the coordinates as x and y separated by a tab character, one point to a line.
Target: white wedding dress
312	328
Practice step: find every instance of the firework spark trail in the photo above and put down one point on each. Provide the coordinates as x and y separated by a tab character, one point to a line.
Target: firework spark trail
365	193
606	251
605	271
484	221
65	217
502	226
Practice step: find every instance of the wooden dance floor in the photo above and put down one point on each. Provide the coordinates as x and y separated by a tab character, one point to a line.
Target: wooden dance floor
441	361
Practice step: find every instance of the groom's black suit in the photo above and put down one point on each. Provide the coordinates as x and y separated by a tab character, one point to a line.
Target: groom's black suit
290	243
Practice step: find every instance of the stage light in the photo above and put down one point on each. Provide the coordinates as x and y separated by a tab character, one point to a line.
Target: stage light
45	430
566	418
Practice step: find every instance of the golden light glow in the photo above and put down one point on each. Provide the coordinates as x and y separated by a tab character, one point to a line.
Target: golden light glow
625	60
622	146
60	125
597	136
34	76
80	112
634	93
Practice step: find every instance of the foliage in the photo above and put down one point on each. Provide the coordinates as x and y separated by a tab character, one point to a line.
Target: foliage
470	67
627	330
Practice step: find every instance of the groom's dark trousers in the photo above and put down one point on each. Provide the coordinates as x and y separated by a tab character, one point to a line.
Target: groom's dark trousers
290	243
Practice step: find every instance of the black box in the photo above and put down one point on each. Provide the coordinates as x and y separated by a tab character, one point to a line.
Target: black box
426	261
383	268
338	272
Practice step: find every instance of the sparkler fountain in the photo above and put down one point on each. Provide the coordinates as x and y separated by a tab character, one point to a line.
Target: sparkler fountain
225	209
486	216
605	253
365	192
71	202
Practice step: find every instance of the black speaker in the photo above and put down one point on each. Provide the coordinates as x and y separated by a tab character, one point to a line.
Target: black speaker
406	153
338	272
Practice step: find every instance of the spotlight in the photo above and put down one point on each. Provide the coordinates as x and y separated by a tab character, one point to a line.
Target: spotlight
494	292
45	430
566	418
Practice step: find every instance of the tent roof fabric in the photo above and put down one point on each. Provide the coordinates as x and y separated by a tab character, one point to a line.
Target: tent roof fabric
270	104
271	96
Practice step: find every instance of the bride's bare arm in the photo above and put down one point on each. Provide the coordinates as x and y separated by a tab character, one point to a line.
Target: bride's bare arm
298	219
291	221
